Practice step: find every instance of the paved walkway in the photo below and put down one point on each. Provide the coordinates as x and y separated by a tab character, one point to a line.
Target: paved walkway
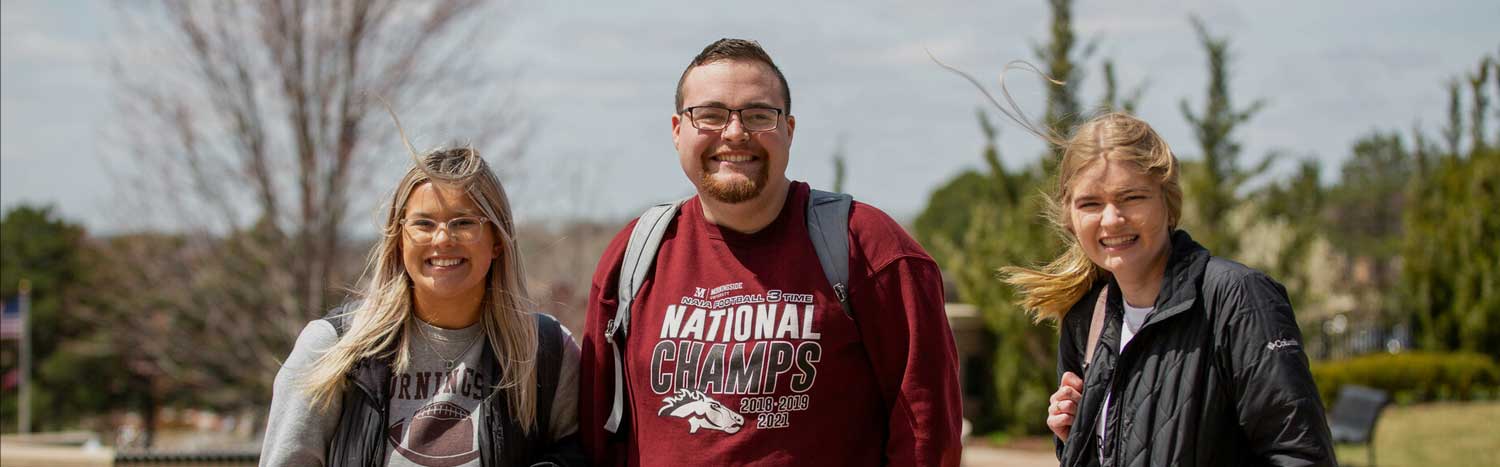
985	456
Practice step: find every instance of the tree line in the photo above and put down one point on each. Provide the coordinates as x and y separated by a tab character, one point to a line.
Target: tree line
255	146
1406	236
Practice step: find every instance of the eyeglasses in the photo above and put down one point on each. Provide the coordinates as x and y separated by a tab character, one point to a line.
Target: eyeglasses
460	229
753	119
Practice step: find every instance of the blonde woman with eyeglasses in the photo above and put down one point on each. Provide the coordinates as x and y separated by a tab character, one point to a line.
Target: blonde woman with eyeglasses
440	361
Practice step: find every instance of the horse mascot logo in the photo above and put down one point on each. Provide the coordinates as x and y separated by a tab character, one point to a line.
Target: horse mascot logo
701	411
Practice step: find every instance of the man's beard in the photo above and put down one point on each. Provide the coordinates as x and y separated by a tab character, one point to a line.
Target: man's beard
734	192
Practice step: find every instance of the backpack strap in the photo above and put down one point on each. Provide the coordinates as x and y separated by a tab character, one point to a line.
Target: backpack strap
1097	325
549	338
828	225
640	254
340	316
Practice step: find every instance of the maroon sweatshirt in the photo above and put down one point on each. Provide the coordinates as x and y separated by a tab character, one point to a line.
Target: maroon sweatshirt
739	353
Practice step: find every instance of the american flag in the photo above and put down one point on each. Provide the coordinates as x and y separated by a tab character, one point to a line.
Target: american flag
12	320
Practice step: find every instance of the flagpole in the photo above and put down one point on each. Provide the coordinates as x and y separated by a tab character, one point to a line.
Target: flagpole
24	401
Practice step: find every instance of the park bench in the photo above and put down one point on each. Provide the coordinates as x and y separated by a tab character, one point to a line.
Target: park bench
1354	415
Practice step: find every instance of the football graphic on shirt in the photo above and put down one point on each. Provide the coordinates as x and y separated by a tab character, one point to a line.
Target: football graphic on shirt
441	434
701	411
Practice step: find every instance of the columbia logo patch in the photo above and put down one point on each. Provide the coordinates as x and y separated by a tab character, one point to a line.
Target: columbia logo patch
1282	344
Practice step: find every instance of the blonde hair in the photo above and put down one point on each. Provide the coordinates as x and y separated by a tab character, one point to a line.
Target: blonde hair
1050	291
381	326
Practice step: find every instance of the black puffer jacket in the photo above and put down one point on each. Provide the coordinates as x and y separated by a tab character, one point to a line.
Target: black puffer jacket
1215	377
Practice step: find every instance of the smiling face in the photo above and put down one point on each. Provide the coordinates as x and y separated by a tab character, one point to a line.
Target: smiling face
446	269
733	165
1119	215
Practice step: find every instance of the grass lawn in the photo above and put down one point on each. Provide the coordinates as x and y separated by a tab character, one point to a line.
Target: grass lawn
1432	435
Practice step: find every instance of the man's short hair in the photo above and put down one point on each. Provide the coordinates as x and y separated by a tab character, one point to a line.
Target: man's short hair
736	49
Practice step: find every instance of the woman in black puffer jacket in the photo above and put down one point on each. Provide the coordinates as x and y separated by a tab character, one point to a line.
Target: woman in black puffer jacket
1169	356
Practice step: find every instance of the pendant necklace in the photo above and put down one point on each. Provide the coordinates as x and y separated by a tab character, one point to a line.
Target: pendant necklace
448	363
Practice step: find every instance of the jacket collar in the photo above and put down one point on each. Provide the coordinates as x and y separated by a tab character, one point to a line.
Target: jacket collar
1183	277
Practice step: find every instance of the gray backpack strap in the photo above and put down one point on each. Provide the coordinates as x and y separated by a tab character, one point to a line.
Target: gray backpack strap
640	254
828	225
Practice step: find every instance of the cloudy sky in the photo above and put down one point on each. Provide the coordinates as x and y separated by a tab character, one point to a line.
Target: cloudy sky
596	80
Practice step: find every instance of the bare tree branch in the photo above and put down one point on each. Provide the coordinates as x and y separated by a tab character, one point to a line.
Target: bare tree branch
252	129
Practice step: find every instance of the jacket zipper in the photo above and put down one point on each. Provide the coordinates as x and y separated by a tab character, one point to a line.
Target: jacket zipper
1114	380
1112	430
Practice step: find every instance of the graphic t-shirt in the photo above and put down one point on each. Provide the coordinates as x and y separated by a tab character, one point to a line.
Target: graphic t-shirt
740	345
433	407
740	354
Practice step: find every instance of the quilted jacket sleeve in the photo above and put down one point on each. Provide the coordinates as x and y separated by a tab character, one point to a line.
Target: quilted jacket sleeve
1275	397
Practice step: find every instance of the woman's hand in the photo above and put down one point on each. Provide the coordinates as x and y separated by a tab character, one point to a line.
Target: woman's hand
1064	405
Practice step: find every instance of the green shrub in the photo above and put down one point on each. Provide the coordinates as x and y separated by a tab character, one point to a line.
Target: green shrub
1414	376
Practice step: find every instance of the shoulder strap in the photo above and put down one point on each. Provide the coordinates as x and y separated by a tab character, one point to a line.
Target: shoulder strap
828	225
548	364
339	316
1096	326
640	254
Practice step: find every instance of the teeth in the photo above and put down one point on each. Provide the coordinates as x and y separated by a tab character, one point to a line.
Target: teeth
728	158
445	262
1117	241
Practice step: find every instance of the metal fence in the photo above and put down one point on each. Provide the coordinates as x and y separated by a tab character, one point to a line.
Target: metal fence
82	449
1341	337
203	459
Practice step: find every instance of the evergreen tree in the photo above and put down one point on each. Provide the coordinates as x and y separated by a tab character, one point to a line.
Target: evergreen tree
1112	100
1451	246
1454	131
840	166
983	220
1057	54
1211	185
1297	202
1481	102
77	369
949	210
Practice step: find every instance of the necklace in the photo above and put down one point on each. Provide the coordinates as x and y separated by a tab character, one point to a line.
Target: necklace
448	363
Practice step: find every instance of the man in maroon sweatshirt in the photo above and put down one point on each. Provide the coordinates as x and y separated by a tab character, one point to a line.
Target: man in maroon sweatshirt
738	351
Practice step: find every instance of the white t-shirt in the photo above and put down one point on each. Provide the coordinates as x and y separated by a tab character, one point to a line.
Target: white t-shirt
1134	318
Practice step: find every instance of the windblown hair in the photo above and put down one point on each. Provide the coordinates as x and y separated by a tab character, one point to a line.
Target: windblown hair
736	50
382	325
1050	291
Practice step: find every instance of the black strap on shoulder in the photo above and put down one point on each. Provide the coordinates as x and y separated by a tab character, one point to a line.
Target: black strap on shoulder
339	316
549	338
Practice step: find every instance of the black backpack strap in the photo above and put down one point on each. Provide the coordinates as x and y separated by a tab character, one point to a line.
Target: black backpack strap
545	451
549	338
341	315
828	225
